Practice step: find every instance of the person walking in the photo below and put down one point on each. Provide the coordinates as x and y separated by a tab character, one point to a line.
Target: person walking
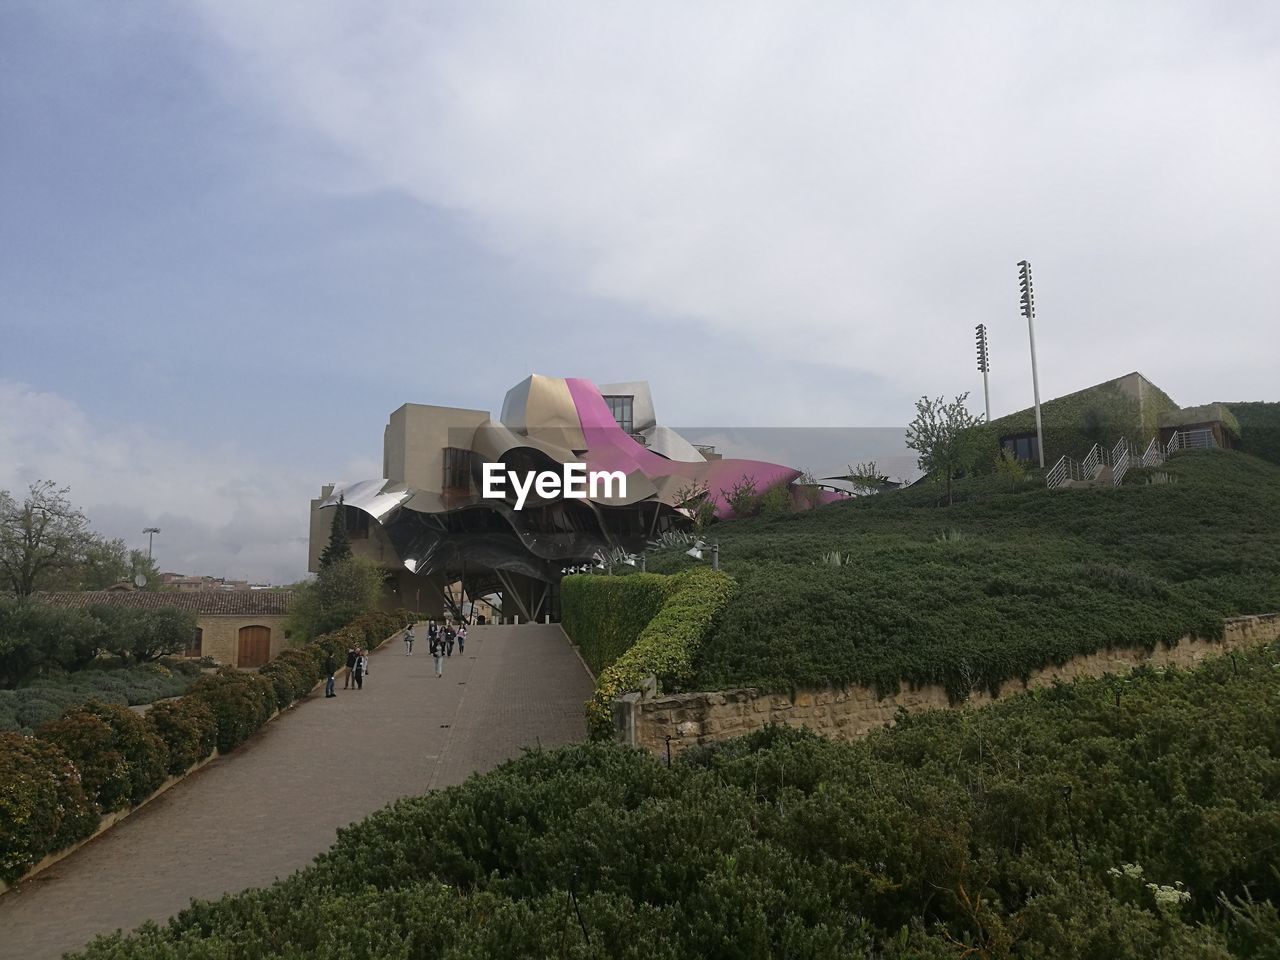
433	636
448	640
437	655
351	665
462	638
330	667
360	669
408	641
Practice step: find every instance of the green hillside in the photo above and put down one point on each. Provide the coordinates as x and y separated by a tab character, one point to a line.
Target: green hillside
1002	583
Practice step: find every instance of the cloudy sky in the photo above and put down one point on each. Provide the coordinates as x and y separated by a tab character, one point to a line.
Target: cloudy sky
236	235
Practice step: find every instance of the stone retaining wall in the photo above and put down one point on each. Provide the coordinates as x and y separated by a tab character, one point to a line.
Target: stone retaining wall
847	713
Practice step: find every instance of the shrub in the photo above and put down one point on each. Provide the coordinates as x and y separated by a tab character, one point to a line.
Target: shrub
121	761
604	616
43	806
665	647
188	728
951	834
240	703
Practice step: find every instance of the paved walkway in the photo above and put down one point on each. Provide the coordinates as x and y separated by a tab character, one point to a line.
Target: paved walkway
269	807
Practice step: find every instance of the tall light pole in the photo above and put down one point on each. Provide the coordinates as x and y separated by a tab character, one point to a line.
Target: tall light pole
151	533
984	366
1028	300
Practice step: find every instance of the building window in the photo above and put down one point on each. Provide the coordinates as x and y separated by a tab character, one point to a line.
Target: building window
1022	446
620	407
457	470
357	523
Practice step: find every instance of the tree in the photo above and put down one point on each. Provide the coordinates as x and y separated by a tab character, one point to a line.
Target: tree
341	591
339	547
866	478
140	563
140	636
41	538
942	433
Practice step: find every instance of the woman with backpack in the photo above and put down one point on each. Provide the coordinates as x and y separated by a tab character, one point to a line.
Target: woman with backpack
462	638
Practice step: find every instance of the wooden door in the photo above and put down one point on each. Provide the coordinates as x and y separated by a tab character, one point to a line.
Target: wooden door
255	646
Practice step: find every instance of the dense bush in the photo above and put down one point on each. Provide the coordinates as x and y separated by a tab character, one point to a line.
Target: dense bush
1259	429
605	615
35	638
27	707
666	646
240	704
120	759
1059	824
43	806
188	728
140	636
1030	577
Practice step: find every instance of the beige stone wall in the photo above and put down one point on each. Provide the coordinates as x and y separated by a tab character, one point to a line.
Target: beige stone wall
221	638
847	713
415	437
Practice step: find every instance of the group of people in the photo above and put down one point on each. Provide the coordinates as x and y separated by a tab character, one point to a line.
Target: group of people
357	670
440	642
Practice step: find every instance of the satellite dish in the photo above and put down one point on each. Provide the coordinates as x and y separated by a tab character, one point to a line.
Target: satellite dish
140	581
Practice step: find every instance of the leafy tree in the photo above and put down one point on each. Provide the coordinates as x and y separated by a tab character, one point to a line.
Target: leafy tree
42	537
1011	468
695	499
37	638
342	591
942	433
140	563
140	636
339	547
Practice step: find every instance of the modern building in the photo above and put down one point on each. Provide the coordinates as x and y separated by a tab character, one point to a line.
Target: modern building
240	628
427	520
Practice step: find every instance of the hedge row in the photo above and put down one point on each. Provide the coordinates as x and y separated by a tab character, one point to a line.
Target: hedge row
97	757
605	616
665	647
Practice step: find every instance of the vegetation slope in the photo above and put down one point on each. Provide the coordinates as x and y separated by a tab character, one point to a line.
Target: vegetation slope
1007	580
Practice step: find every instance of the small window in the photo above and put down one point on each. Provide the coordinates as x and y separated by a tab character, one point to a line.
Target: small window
457	470
621	408
1022	446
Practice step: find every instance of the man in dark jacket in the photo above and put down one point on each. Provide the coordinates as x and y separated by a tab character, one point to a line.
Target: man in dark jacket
351	665
330	667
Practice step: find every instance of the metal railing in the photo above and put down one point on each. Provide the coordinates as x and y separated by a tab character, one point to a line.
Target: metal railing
1202	439
1119	467
1092	464
1058	474
1154	454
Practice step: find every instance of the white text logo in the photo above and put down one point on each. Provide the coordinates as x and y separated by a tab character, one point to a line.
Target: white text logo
574	483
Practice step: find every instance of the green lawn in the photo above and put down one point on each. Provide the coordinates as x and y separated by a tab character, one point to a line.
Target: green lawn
998	585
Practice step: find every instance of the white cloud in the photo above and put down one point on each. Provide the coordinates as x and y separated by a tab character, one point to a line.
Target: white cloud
220	511
851	183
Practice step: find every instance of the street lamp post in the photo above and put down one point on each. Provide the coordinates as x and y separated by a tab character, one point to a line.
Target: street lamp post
1028	300
984	365
151	533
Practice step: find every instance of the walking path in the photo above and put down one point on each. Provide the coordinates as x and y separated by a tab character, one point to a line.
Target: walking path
269	807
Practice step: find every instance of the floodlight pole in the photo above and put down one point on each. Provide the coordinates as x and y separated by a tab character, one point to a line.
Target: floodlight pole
984	365
1029	311
151	533
715	556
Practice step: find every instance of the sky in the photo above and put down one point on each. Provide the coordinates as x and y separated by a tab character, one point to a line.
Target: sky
237	235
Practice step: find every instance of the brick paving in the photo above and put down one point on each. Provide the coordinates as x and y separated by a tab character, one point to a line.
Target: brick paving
269	807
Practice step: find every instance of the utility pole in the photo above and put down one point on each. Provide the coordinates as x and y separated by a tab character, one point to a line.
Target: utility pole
984	366
1028	300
